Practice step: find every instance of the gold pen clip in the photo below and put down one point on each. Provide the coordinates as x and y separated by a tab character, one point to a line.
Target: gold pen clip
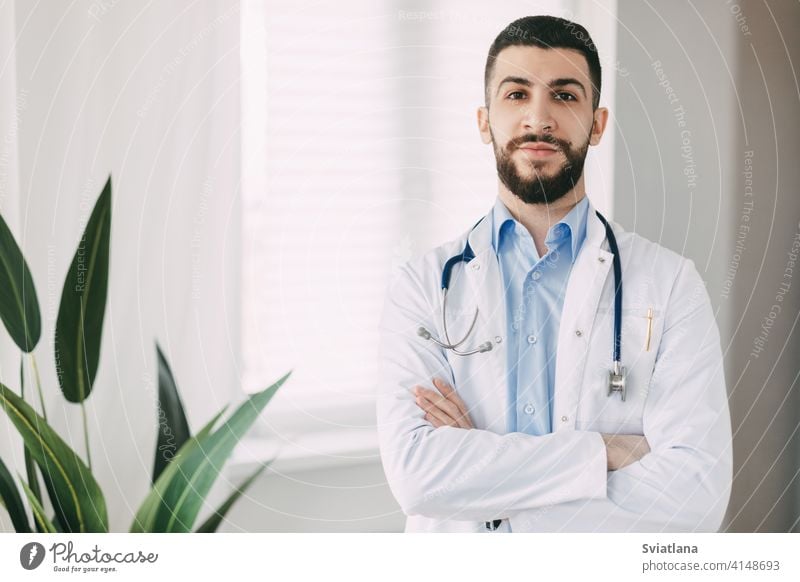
649	329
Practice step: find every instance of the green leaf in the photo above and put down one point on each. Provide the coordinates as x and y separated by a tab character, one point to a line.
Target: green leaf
183	496
173	428
145	517
11	500
215	519
79	326
56	524
74	493
33	475
44	524
19	308
30	466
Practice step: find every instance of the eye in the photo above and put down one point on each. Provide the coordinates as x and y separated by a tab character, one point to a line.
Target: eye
564	96
511	95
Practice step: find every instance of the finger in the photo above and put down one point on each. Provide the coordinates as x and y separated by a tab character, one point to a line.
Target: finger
440	401
433	421
435	412
437	416
448	408
433	398
456	416
450	393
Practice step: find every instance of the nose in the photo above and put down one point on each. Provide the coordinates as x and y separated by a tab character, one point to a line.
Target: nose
539	115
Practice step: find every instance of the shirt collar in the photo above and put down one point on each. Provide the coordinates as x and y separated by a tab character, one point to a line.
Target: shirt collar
501	221
574	225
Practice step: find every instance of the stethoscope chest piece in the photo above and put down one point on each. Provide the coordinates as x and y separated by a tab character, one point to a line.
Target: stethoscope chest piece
616	380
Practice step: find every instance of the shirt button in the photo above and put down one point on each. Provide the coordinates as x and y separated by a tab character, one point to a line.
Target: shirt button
564	419
529	408
536	275
531	339
476	266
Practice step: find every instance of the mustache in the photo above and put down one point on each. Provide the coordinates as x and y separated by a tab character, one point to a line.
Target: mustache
546	138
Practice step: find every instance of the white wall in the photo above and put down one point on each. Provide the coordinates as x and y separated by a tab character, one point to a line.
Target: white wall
729	65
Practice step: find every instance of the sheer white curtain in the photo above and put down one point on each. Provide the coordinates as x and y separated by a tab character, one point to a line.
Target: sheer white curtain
149	93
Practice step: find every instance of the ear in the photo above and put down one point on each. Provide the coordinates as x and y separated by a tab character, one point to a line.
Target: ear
598	125
483	125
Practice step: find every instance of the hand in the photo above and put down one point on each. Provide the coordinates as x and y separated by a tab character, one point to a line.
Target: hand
443	408
624	449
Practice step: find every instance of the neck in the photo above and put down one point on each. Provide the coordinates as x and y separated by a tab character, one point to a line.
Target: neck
538	218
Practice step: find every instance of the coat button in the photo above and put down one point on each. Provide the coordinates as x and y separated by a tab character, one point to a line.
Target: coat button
531	339
564	419
476	266
601	259
529	408
498	339
578	333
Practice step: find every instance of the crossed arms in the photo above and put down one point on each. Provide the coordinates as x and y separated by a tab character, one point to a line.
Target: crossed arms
442	467
444	407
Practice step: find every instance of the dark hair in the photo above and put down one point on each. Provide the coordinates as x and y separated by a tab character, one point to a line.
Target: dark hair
547	32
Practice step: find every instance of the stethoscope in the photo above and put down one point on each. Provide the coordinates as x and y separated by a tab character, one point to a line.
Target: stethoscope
616	376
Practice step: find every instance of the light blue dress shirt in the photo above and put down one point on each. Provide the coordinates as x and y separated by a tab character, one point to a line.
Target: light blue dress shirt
534	288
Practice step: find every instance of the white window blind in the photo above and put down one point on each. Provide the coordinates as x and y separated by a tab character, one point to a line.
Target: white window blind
361	149
320	193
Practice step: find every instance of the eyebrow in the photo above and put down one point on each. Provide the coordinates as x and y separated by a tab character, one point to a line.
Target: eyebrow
560	82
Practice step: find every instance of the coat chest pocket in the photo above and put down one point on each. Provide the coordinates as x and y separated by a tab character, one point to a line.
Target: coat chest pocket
597	411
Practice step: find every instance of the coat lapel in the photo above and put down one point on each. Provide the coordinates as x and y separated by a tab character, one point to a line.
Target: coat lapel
484	280
485	289
584	289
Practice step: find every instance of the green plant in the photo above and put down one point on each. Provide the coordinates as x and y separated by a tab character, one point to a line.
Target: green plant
185	466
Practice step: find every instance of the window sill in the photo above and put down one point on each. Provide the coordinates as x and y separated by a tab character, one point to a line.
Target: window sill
305	452
309	434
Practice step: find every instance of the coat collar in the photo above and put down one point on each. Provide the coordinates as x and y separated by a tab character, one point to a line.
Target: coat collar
480	237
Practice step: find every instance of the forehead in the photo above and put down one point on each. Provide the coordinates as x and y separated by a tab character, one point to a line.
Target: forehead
540	64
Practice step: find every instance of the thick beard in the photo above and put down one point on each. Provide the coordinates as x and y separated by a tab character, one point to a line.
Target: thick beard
540	189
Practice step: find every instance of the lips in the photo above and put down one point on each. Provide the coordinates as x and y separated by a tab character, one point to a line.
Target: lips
538	150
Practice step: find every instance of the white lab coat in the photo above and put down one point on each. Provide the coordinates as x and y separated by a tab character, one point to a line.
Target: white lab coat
453	480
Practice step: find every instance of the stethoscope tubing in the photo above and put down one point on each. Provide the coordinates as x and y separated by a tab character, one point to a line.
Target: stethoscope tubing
468	254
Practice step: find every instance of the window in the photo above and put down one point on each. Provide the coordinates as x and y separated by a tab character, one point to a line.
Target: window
360	149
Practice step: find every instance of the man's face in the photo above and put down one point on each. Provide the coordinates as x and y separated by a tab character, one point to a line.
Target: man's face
540	121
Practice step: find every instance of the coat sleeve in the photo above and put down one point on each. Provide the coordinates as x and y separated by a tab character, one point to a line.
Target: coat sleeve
453	473
683	484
